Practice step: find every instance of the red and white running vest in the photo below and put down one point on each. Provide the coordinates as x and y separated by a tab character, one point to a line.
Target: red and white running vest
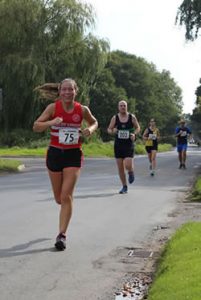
66	134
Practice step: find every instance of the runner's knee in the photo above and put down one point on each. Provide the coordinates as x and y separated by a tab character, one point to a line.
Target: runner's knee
66	197
58	200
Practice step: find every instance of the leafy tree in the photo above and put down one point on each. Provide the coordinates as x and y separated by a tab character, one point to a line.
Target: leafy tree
46	41
89	62
156	94
198	94
18	60
196	116
167	103
189	15
104	98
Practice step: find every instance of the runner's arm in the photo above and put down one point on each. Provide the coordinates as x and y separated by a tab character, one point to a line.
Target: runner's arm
136	125
91	120
178	132
145	135
44	121
111	128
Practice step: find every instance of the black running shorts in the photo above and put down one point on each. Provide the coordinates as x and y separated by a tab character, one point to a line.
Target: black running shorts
122	151
151	148
58	159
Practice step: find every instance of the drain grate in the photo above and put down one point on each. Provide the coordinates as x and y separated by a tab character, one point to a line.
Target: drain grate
141	253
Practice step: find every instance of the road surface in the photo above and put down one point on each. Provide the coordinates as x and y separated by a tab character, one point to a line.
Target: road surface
104	226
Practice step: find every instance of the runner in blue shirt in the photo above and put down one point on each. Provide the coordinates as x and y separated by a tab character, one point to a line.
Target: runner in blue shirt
182	134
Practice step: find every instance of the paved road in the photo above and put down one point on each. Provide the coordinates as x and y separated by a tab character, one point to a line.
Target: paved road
104	225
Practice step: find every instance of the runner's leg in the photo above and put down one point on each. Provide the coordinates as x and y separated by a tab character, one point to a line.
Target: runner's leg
180	158
129	166
128	162
153	159
150	160
184	156
56	182
120	165
70	176
148	150
184	159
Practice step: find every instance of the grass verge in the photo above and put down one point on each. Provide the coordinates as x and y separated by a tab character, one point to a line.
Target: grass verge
90	150
7	165
196	193
17	151
179	272
97	149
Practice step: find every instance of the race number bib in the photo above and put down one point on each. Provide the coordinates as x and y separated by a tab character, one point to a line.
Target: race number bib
152	136
184	133
123	134
68	136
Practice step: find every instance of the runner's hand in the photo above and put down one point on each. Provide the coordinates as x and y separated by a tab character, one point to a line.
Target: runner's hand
114	130
57	121
132	137
86	132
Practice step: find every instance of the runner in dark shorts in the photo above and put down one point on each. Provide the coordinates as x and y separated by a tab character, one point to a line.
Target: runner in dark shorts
64	117
58	159
182	134
125	127
151	136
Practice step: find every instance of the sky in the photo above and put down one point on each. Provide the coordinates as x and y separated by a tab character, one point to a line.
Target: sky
147	29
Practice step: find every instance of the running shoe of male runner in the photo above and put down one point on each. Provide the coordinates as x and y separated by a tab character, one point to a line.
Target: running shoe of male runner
131	177
124	190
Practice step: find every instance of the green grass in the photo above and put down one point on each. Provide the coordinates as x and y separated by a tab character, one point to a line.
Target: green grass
98	150
179	272
7	165
93	149
17	151
196	194
90	150
164	147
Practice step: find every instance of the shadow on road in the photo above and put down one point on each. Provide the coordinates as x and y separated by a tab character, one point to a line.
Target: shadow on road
95	195
19	250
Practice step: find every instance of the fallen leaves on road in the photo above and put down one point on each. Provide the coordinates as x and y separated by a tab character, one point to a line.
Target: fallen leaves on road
135	289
